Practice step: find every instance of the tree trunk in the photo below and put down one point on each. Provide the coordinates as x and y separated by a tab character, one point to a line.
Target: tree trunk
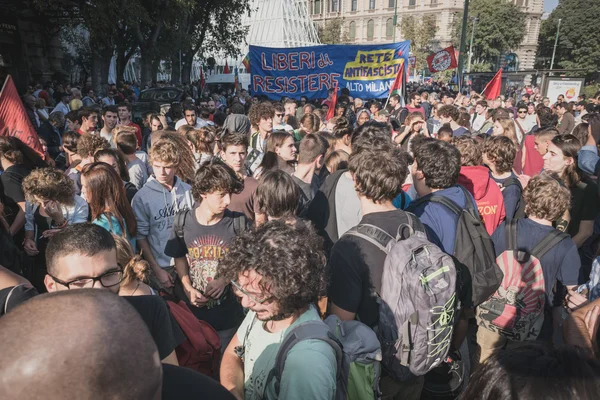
175	68
147	69
100	68
187	62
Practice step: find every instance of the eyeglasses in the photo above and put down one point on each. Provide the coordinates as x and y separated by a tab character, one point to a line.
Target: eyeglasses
108	279
522	112
239	291
279	114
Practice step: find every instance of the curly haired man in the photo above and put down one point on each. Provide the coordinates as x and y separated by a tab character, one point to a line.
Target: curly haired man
277	272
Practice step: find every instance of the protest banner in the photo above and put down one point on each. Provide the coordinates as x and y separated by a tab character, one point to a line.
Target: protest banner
367	71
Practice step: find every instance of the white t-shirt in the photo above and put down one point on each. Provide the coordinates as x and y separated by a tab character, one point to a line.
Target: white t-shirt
199	123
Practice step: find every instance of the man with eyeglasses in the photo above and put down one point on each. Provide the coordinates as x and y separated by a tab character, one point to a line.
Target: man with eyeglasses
278	124
277	273
84	256
523	124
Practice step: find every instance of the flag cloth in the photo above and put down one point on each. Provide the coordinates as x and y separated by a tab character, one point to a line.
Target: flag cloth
226	70
442	60
397	85
492	89
246	62
333	103
13	118
236	81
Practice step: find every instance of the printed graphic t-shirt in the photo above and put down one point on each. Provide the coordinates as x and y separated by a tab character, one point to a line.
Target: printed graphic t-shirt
204	246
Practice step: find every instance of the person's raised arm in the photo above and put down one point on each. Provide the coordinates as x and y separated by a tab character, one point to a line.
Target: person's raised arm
9	278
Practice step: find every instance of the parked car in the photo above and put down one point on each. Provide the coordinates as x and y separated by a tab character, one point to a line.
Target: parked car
156	100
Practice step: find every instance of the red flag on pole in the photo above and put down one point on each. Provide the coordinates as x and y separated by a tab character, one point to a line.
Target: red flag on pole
331	111
13	118
442	60
226	70
492	89
397	85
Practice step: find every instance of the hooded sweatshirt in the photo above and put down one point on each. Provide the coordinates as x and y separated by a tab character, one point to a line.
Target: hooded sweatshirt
237	123
487	194
155	208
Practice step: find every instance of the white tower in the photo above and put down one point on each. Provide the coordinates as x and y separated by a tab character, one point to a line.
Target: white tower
280	23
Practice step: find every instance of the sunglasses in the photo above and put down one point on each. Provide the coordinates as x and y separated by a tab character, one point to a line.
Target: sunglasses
279	114
239	291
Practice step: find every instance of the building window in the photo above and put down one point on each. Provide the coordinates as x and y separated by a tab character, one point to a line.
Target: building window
335	5
370	29
317	9
354	5
412	3
371	4
392	4
434	2
389	28
352	30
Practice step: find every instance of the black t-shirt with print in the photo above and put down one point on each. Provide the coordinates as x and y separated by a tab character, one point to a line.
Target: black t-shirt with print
204	246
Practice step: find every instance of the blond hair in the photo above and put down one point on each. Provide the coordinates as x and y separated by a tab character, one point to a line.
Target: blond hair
546	197
134	267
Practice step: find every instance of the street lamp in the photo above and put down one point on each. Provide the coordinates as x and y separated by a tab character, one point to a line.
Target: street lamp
395	20
475	19
555	44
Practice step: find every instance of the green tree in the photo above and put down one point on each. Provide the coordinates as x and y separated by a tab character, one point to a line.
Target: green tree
332	32
421	33
578	40
500	28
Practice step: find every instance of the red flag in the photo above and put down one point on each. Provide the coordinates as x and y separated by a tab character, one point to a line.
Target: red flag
442	60
226	70
492	89
397	85
13	118
331	111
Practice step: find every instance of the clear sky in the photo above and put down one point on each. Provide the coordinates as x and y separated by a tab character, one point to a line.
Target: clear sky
550	5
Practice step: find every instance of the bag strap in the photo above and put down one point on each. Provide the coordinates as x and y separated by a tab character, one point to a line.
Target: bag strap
511	234
451	205
180	222
552	239
520	127
309	330
372	234
239	224
9	296
510	182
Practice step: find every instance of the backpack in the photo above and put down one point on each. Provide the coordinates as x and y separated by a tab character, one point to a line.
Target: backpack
239	223
202	349
357	350
417	302
520	212
516	309
473	250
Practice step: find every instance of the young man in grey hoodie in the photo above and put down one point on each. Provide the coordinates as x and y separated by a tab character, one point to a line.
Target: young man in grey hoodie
155	206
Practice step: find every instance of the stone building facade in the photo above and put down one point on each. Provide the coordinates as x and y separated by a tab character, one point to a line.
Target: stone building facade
372	21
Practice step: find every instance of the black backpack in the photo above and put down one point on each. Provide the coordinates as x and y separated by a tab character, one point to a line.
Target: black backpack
239	223
473	250
520	212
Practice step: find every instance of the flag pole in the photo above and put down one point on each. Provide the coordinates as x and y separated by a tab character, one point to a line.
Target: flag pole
402	82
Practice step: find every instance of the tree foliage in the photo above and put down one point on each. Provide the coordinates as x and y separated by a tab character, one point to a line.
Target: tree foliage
332	32
421	33
500	28
578	40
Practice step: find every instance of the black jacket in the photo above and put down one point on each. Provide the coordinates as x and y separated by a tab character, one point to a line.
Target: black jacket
52	138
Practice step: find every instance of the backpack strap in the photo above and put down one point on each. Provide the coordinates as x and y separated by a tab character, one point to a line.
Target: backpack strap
180	222
511	181
372	234
309	330
552	239
511	234
239	224
9	296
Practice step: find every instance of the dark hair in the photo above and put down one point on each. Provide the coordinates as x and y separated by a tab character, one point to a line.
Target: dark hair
110	108
311	147
89	144
438	161
536	371
126	105
85	112
260	111
17	152
119	157
395	97
277	195
203	139
126	141
372	135
215	176
379	174
445	130
413	96
546	117
70	140
289	259
85	239
108	196
189	107
234	139
470	151
501	151
448	110
581	132
237	108
310	121
342	128
276	139
482	103
569	145
74	116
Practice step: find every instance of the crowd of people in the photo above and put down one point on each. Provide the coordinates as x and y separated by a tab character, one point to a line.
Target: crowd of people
450	243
